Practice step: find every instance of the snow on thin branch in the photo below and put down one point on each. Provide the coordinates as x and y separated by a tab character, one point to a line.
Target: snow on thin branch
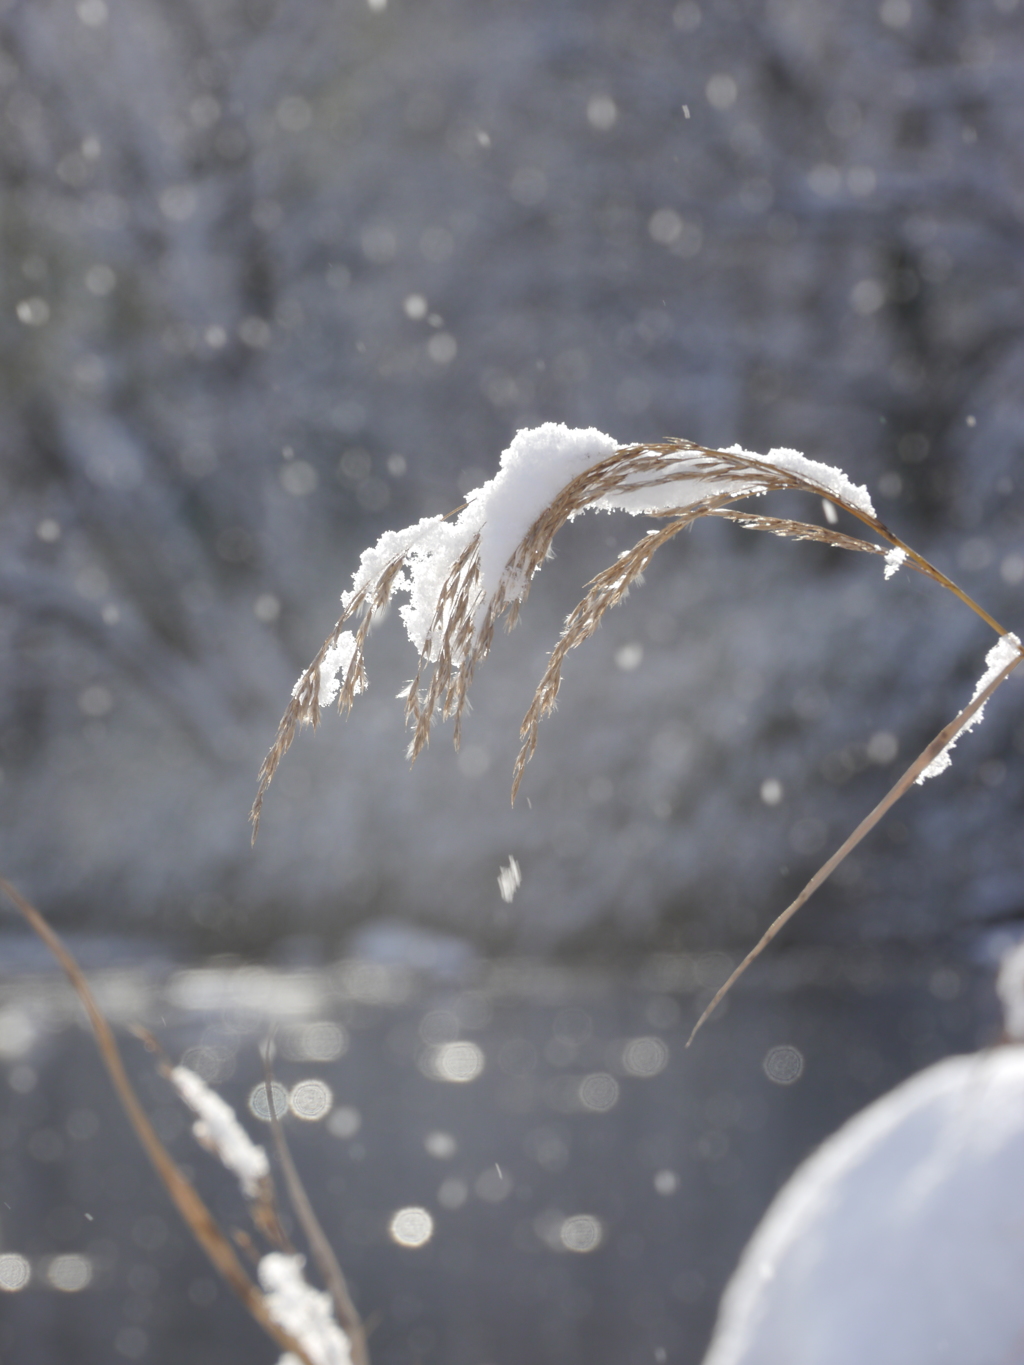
218	1130
304	1312
1003	652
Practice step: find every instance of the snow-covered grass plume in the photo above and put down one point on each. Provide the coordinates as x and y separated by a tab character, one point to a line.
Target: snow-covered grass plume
461	574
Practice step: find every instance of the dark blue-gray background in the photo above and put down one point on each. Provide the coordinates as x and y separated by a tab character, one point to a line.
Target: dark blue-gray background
276	277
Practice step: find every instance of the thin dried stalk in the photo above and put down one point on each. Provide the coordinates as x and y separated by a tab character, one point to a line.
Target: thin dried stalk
304	708
900	788
606	590
797	530
189	1204
323	1253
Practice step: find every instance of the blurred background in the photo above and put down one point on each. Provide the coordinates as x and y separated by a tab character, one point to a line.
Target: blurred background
277	276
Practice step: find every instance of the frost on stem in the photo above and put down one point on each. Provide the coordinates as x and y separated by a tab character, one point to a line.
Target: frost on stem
219	1131
462	574
1003	652
305	1313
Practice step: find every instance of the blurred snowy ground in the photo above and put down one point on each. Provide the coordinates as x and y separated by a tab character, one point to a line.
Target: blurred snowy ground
590	1182
278	276
900	1238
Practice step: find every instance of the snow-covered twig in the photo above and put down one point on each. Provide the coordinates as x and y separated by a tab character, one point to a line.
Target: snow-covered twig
1009	653
193	1210
323	1253
1006	651
218	1130
303	1312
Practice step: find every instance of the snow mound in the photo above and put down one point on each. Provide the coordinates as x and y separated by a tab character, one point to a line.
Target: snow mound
901	1240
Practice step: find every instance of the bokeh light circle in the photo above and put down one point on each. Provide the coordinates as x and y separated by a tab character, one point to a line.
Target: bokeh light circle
311	1100
15	1272
70	1273
784	1064
411	1227
457	1063
645	1056
258	1101
599	1092
581	1233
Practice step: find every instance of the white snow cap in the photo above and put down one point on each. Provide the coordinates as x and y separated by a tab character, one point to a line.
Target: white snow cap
304	1312
899	1242
1003	652
218	1129
832	481
538	464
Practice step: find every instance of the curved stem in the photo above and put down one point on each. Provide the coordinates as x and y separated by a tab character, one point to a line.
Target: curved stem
923	565
344	1309
944	737
183	1194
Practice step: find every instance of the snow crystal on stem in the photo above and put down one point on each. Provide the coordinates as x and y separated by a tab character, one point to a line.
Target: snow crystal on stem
894	558
305	1313
1003	652
218	1129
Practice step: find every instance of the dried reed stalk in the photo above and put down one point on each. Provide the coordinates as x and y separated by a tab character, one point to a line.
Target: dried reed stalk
191	1207
464	618
898	789
323	1253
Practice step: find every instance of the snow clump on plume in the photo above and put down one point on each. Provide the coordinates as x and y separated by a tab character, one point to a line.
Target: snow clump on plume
894	558
534	471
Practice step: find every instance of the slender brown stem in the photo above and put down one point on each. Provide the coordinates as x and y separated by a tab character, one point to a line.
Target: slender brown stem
189	1205
323	1253
925	566
918	766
